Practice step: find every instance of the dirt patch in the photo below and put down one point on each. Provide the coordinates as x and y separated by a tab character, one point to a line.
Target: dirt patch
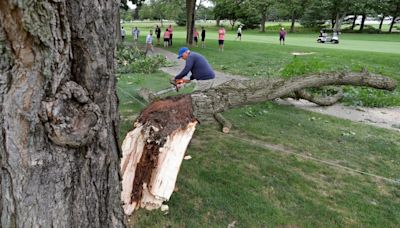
380	117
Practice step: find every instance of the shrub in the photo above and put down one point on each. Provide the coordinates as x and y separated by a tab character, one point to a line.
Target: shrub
130	59
251	22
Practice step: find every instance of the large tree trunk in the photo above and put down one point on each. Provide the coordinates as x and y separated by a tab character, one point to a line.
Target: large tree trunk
362	22
190	13
354	21
395	14
381	22
391	24
161	128
339	19
59	114
263	20
293	21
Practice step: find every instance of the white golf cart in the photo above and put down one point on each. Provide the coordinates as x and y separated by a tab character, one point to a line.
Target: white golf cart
325	37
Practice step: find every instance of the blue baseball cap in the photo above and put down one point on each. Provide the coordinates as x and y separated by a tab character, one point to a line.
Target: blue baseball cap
181	51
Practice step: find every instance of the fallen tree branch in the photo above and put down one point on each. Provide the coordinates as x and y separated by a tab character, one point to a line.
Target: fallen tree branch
153	151
236	93
318	99
226	125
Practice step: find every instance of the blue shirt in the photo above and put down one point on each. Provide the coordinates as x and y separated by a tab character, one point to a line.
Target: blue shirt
198	65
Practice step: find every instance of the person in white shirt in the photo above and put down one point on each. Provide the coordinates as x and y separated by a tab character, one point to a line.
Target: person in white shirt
135	34
149	42
122	33
239	33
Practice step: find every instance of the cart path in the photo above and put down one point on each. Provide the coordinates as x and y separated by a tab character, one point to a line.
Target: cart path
388	118
220	77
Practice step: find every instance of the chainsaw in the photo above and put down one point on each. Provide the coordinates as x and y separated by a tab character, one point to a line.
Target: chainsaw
177	84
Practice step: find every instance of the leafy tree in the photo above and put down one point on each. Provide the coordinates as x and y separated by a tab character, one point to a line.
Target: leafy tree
259	7
126	14
204	13
394	11
230	10
315	14
294	9
382	9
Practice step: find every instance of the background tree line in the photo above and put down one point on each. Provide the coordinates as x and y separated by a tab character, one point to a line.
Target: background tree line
257	13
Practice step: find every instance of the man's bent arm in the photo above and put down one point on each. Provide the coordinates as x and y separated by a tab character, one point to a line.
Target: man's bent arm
185	71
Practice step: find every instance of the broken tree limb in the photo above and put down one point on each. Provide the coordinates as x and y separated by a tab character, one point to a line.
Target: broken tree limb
226	125
236	93
318	99
153	151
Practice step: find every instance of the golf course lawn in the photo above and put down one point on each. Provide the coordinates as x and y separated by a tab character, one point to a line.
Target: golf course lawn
328	172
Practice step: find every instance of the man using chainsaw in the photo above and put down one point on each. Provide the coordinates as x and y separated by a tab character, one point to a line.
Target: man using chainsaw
202	72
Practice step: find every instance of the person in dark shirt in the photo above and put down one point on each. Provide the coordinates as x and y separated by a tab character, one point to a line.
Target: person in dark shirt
203	37
202	72
158	34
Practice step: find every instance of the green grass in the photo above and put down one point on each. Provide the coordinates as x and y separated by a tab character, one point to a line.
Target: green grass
230	179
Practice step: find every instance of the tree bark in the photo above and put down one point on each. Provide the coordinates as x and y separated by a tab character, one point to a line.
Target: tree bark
263	20
395	14
59	114
339	19
354	22
381	23
159	129
226	125
362	22
190	13
293	21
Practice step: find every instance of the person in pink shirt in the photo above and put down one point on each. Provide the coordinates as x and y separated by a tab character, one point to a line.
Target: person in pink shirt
170	30
166	38
196	36
282	35
221	38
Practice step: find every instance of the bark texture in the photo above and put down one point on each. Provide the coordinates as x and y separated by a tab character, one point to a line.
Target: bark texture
59	114
190	20
236	93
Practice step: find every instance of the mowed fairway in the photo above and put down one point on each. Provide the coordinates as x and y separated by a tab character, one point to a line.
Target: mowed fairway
282	166
384	43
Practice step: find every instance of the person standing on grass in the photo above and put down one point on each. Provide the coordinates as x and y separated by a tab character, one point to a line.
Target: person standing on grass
196	36
123	33
282	35
166	38
202	72
239	33
170	30
158	34
149	42
221	38
135	34
203	37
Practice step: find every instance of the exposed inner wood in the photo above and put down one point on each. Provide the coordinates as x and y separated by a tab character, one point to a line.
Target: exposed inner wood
153	152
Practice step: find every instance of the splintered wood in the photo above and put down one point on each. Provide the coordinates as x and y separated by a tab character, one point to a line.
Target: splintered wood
153	152
164	175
